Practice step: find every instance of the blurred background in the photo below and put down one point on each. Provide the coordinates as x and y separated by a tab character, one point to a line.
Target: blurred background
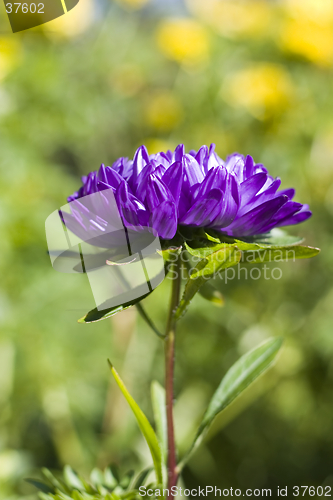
252	76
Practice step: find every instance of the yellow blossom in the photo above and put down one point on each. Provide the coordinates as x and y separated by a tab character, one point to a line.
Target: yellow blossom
235	18
155	145
309	39
9	54
263	89
308	30
183	40
320	11
163	111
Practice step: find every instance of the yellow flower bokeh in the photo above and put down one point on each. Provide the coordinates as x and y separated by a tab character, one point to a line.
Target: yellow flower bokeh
10	50
234	18
163	111
155	145
263	89
183	40
308	30
309	39
320	11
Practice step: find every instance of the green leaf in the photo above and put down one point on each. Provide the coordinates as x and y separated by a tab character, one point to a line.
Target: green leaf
57	484
158	402
207	268
126	480
208	292
202	248
277	237
96	315
168	253
111	476
289	253
40	486
145	427
236	380
72	479
140	480
97	477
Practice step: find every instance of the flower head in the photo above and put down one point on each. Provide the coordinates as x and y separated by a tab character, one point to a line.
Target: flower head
167	191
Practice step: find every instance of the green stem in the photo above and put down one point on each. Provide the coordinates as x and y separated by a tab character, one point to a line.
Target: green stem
169	375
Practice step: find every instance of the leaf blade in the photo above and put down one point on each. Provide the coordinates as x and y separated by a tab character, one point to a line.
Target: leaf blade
144	425
247	369
159	410
95	315
279	254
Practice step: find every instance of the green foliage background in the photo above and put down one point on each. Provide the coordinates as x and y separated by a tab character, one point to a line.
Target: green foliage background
70	103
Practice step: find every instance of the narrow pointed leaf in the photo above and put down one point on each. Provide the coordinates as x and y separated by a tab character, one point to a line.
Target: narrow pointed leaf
289	253
236	380
158	402
40	486
96	315
145	427
140	480
278	237
275	238
72	479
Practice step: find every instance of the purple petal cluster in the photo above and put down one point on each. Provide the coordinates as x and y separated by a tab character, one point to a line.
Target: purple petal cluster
168	190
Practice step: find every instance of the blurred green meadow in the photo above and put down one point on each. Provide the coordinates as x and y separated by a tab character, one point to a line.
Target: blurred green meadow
252	76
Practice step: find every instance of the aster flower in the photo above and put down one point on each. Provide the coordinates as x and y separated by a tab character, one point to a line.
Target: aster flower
174	190
209	208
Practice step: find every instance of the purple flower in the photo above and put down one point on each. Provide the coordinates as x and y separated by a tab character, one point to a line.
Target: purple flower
166	191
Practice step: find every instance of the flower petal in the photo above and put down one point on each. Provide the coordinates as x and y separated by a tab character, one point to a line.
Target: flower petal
302	215
204	210
130	208
164	219
157	192
192	171
230	204
140	160
255	221
173	179
251	186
